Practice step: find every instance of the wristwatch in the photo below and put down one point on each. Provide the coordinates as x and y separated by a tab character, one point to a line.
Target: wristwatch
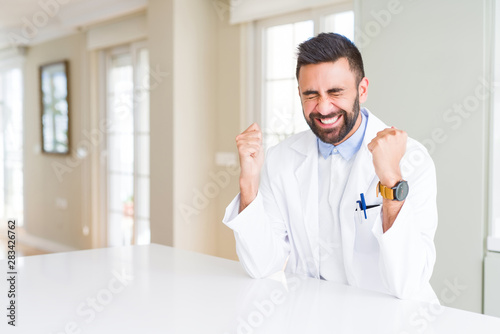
396	193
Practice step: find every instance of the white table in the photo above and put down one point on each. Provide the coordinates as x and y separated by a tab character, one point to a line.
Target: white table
175	291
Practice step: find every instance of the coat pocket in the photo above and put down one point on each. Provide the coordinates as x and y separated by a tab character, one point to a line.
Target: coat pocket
365	241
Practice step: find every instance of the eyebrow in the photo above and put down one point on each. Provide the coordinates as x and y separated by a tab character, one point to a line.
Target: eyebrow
315	92
310	92
335	90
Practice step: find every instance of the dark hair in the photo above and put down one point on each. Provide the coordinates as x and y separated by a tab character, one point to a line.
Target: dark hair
330	47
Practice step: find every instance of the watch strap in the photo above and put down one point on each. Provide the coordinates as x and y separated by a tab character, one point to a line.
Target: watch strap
386	192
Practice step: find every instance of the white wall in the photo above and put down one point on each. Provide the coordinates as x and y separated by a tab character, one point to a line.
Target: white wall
229	77
43	182
160	14
194	124
422	62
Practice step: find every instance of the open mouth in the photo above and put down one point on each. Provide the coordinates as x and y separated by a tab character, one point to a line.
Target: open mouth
328	122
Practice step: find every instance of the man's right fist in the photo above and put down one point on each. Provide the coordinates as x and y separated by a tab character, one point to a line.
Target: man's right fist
251	153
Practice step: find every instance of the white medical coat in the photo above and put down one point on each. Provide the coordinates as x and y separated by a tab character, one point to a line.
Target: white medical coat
281	224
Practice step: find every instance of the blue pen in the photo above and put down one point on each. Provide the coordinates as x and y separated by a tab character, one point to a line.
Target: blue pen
362	204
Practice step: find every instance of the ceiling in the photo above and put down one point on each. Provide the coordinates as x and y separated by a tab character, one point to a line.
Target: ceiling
29	22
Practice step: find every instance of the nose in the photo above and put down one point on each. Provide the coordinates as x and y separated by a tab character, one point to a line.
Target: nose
325	106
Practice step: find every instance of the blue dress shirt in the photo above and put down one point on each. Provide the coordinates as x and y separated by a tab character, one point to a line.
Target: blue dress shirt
349	147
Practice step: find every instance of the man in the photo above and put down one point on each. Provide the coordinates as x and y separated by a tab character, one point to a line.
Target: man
351	201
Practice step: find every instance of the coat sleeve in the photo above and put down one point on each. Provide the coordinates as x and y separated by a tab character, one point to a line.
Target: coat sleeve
407	252
261	235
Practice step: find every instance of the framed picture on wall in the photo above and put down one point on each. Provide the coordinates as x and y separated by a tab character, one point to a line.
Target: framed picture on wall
54	103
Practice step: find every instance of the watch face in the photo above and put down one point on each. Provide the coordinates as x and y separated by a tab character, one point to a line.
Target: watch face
401	191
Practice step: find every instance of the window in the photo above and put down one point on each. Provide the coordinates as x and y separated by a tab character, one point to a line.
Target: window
11	145
279	108
127	159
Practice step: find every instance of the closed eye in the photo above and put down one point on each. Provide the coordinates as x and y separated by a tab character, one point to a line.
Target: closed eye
335	91
310	94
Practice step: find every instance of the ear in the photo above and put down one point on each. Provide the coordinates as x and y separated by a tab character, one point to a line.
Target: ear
363	90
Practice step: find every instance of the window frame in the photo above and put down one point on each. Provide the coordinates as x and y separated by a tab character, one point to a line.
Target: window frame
105	57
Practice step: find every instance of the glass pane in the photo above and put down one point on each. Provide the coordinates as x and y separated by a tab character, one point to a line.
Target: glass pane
281	48
299	123
279	107
143	232
120	229
55	108
121	153
143	154
302	31
281	117
120	94
11	145
142	91
121	74
128	148
121	192
120	114
142	197
271	140
142	106
143	68
14	116
280	52
13	192
341	23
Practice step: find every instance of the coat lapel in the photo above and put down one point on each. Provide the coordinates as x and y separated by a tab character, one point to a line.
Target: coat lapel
306	175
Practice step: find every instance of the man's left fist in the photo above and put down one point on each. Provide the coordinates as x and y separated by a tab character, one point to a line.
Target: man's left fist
387	148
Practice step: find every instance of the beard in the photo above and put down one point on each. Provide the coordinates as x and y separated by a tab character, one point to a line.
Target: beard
334	136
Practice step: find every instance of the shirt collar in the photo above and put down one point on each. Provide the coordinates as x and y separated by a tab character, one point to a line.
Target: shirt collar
349	147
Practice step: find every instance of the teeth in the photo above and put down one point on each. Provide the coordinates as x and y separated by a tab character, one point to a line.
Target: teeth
329	120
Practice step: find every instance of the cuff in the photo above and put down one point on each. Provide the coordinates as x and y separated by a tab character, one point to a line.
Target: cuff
397	230
232	210
237	221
